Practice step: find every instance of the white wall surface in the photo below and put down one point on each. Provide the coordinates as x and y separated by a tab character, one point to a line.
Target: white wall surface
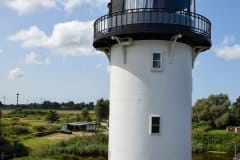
136	93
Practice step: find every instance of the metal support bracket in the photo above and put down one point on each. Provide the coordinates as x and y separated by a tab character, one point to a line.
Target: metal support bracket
172	46
124	43
107	51
195	52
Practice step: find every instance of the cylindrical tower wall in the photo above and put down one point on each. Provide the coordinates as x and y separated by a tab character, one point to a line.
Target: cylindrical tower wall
138	92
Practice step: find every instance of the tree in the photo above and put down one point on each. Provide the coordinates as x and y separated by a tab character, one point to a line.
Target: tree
102	109
52	116
214	109
85	114
91	106
222	121
1	104
70	105
1	134
78	118
82	105
237	103
235	112
47	104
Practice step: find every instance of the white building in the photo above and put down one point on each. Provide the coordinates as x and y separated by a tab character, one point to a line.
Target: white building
151	46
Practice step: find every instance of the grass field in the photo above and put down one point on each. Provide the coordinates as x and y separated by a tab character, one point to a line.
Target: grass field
22	126
36	143
6	111
217	131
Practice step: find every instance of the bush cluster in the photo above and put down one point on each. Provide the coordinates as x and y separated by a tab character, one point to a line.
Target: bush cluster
96	145
220	142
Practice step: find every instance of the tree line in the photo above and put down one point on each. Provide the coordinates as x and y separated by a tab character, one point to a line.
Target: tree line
51	105
101	109
217	111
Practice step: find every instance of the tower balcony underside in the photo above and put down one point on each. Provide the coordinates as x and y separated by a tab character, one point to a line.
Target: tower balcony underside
152	24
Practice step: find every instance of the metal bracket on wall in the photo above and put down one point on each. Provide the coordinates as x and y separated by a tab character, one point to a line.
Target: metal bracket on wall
124	42
107	51
172	46
195	52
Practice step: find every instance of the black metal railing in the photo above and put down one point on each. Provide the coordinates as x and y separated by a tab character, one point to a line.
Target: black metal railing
115	22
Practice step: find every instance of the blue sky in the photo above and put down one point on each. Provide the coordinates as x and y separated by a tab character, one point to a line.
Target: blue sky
46	52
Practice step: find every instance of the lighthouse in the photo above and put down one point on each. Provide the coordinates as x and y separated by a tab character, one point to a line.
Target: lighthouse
151	46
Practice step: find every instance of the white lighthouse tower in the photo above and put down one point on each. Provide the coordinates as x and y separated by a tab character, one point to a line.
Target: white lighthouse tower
151	46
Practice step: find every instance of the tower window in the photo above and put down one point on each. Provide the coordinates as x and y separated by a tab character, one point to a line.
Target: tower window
157	61
155	125
134	4
172	4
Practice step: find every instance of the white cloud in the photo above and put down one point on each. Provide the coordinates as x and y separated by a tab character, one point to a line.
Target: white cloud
1	51
15	73
68	5
28	6
33	58
30	38
72	38
227	49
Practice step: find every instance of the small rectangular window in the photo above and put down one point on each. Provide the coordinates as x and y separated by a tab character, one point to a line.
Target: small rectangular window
155	124
157	61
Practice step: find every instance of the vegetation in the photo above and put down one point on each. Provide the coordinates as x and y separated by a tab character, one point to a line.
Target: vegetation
102	110
217	141
52	116
96	145
216	111
210	117
20	128
80	148
85	115
53	106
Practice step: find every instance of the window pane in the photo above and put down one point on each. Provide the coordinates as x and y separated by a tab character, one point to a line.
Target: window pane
155	129
133	4
177	4
156	64
155	120
156	56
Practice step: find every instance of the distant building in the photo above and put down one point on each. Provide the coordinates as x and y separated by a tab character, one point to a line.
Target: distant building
233	129
79	126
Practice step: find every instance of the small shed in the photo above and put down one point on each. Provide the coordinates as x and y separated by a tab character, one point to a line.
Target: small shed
79	126
233	129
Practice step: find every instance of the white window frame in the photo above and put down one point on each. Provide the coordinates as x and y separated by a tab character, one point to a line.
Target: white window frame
150	124
161	62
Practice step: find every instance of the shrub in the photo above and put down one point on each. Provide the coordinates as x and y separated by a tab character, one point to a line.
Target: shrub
67	157
39	128
96	145
12	146
18	130
198	147
222	142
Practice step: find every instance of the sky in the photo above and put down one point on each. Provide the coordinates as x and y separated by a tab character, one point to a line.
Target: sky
46	51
